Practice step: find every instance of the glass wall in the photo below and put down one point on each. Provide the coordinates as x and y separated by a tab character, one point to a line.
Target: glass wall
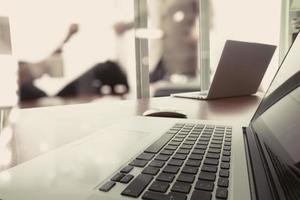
201	37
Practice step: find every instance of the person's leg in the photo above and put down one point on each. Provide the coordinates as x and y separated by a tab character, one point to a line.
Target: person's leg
90	83
158	73
27	91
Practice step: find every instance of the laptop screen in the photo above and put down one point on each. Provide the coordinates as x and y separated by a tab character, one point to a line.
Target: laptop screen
278	123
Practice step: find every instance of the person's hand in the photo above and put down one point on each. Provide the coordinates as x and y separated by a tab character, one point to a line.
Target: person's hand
121	27
73	29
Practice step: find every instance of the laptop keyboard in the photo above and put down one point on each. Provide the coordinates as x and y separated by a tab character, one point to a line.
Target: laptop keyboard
190	161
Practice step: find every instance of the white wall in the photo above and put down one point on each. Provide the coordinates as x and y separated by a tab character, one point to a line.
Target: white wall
246	20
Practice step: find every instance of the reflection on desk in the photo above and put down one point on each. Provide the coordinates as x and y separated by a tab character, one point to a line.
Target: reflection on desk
41	130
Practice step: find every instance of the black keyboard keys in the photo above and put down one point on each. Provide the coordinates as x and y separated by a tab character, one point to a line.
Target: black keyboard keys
137	186
159	186
126	169
117	177
201	195
145	156
181	187
157	163
222	193
166	177
207	176
223	182
171	169
107	186
159	144
127	178
187	178
138	163
150	170
205	185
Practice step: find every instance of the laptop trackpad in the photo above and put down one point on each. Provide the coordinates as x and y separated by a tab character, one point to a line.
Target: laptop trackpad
82	165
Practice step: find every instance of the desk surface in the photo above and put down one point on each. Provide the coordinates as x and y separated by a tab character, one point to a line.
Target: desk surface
44	129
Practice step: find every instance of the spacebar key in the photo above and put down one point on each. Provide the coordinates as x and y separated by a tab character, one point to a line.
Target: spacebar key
137	186
159	144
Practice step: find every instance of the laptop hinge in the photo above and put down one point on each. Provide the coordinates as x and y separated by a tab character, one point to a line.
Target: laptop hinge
259	179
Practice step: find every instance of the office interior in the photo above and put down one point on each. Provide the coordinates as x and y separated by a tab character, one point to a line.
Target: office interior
36	32
92	63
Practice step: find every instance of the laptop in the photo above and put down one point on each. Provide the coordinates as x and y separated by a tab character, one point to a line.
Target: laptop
242	64
179	159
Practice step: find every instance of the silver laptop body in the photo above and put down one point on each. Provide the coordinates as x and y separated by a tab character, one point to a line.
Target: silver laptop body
240	70
264	159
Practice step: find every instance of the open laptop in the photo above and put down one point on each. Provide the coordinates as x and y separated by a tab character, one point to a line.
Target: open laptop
240	70
179	159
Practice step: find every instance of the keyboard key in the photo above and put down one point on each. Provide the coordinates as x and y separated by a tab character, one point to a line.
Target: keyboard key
181	187
175	162
222	193
167	152
171	169
179	156
190	170
203	142
227	148
186	146
159	186
216	146
193	163
145	156
204	139
226	153
151	171
139	163
117	177
149	195
176	196
209	168
223	182
157	163
213	155
127	178
178	140
189	142
153	196
195	156
227	143
225	165
207	176
211	150
126	169
216	141
174	143
137	186
183	151
188	178
198	146
205	185
162	157
209	161
201	195
198	151
224	173
107	186
166	177
170	147
159	144
225	159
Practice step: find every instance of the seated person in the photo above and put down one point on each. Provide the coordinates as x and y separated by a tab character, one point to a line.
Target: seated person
90	83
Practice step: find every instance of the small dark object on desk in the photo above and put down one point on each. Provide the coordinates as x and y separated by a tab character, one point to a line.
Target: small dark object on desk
164	113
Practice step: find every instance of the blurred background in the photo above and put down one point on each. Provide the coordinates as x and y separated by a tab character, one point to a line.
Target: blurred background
69	47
